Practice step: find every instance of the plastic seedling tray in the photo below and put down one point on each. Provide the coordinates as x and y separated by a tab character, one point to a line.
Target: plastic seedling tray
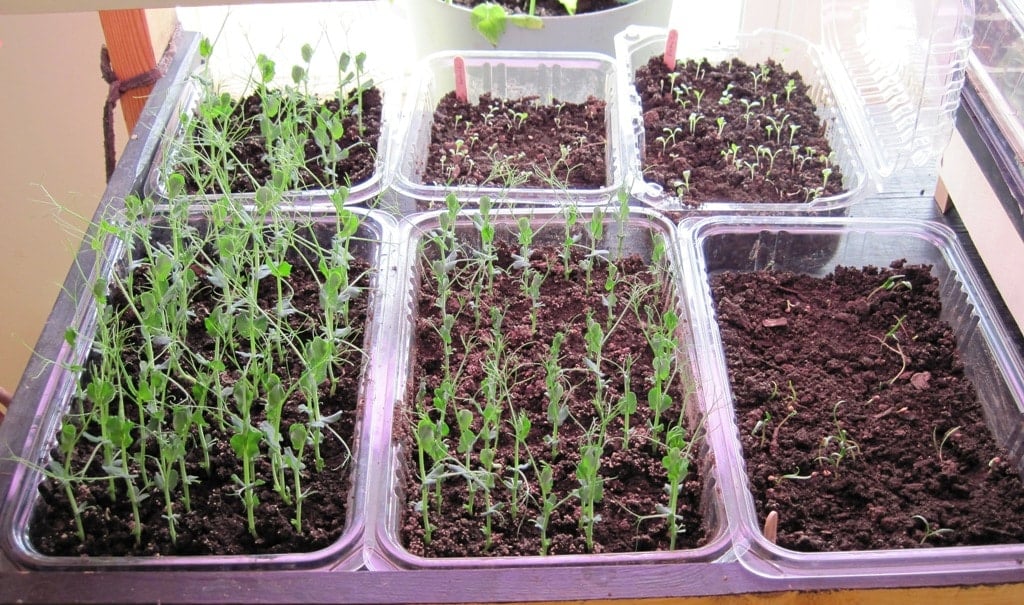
547	76
886	79
171	149
22	470
798	245
635	46
395	446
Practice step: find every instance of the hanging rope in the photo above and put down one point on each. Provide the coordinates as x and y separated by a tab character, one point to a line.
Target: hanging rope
119	87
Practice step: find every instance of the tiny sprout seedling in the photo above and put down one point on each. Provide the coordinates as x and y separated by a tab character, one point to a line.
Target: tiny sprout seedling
941	443
794	476
789	88
893	334
931	531
893	282
838	446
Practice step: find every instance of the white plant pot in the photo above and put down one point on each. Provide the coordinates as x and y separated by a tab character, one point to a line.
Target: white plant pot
440	26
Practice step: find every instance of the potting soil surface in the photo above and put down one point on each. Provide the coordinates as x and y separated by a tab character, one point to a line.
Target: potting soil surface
858	425
733	132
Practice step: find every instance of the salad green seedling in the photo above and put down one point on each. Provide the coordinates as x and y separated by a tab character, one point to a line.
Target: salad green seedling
892	282
893	334
677	466
838	446
794	476
590	491
789	88
668	137
699	94
731	153
931	531
941	443
693	120
720	124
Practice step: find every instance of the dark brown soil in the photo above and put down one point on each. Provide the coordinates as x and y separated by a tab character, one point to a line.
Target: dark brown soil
813	360
217	522
634	479
518	142
548	8
676	144
250	167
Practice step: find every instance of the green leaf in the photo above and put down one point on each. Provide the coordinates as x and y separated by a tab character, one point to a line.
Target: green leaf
490	20
247	443
570	6
266	67
307	53
205	48
175	185
526	21
101	392
281	269
297	435
68	438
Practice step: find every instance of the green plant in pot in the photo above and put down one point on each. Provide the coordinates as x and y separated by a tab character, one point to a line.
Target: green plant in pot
538	25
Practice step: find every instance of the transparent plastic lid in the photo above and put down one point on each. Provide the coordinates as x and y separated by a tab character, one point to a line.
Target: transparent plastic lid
904	61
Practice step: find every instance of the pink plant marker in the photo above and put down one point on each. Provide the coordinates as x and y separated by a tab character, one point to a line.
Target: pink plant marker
460	80
670	49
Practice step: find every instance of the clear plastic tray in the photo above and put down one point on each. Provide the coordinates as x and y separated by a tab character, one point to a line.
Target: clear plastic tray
570	77
363	192
888	72
815	246
902	64
636	45
19	481
390	554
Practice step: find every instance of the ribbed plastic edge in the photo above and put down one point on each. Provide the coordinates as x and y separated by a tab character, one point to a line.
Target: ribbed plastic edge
905	61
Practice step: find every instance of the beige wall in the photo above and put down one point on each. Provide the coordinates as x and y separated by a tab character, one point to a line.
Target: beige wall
50	147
